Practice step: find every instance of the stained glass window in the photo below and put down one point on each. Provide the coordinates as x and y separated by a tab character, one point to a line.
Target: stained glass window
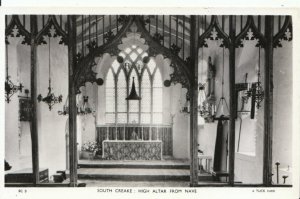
151	65
110	97
157	97
149	108
115	65
146	98
121	95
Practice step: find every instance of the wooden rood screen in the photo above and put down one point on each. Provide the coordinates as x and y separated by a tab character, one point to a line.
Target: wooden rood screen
138	132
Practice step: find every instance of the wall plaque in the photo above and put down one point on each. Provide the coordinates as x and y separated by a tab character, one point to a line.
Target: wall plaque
25	109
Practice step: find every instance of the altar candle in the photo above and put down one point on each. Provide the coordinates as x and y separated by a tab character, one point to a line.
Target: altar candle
157	132
116	132
107	133
142	133
150	132
124	133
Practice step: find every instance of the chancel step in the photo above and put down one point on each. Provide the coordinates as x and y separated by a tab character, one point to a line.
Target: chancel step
138	170
138	174
165	164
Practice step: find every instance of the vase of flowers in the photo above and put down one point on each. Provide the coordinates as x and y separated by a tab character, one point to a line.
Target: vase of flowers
89	150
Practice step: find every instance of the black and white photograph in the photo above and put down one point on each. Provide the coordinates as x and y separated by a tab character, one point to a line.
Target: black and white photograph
136	103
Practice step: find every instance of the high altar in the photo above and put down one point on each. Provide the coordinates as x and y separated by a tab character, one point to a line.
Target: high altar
135	142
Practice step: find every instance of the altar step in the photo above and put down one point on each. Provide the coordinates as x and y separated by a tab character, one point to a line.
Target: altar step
137	170
164	164
138	174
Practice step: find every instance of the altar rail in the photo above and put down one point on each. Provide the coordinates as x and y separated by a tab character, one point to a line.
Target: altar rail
137	132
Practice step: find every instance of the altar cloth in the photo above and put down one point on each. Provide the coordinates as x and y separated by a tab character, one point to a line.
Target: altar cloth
132	149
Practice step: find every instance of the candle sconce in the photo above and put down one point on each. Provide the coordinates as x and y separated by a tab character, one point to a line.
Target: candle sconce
249	91
11	89
85	108
186	107
50	99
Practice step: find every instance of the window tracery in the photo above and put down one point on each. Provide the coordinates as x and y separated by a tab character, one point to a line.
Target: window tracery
148	83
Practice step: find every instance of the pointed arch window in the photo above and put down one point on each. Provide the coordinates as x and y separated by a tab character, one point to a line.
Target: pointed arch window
157	100
121	95
148	84
110	97
146	98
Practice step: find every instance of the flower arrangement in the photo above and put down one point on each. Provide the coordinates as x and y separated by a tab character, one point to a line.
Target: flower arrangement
90	146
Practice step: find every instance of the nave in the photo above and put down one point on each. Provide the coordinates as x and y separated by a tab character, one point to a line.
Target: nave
181	100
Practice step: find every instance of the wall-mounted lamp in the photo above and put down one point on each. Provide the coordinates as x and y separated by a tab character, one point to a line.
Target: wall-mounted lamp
253	91
85	108
186	107
10	87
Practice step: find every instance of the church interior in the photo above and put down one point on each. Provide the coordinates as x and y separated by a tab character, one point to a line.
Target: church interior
148	100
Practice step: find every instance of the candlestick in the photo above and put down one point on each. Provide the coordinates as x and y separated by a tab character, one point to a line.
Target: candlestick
277	171
157	132
284	178
124	133
150	133
107	137
116	132
142	133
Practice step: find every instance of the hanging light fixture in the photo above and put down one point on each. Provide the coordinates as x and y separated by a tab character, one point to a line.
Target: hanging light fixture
259	92
65	110
222	102
50	99
255	90
201	99
10	87
133	95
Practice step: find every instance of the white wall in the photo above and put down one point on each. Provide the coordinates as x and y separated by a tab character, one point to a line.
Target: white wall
282	120
248	169
51	126
249	161
17	134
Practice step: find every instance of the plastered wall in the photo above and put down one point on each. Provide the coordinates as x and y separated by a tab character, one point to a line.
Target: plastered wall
51	126
249	157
